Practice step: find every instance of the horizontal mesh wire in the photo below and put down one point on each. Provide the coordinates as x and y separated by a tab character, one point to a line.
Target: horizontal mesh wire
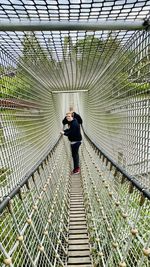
113	66
35	231
117	214
116	110
73	10
28	124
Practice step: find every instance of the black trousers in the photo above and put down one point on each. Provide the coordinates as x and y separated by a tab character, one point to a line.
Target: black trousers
75	154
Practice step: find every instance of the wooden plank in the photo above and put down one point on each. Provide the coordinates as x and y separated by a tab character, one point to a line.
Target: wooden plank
77	209
78	227
80	215
76	212
79	253
76	206
72	208
77	219
76	260
78	247
76	189
77	223
78	236
78	250
78	241
79	265
78	231
76	201
75	195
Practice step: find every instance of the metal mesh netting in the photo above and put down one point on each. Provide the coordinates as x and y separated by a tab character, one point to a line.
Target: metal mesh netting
104	74
117	214
112	65
74	9
117	107
33	230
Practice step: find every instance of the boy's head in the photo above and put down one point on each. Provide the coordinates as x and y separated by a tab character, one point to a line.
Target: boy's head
69	116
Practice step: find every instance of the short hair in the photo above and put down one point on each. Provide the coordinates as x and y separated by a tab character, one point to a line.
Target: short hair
69	113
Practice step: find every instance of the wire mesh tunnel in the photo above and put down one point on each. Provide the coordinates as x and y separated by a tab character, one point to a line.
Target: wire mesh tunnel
93	56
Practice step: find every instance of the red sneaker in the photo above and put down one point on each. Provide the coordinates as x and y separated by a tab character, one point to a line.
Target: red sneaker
76	171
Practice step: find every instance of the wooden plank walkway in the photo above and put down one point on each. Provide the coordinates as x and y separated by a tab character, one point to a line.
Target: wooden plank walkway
79	251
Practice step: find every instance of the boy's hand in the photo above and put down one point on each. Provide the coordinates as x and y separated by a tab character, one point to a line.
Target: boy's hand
61	132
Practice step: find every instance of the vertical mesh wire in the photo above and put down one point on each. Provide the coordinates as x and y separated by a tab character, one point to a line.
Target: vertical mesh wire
118	107
27	124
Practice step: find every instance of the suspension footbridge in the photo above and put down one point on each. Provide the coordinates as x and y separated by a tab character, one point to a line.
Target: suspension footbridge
93	55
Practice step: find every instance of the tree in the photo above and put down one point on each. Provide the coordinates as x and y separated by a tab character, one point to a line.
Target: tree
32	52
88	49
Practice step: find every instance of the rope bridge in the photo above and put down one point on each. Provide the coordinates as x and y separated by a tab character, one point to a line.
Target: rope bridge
95	56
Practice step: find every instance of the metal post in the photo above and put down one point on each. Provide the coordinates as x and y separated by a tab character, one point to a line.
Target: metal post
69	91
73	26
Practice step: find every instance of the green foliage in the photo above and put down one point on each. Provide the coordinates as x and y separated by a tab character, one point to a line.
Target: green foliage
17	87
68	45
1	69
94	50
31	49
3	173
33	54
139	87
90	48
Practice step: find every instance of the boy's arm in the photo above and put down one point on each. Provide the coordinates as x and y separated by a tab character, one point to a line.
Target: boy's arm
64	121
65	132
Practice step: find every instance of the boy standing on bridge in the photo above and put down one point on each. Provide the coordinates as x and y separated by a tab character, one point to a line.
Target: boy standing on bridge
74	136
